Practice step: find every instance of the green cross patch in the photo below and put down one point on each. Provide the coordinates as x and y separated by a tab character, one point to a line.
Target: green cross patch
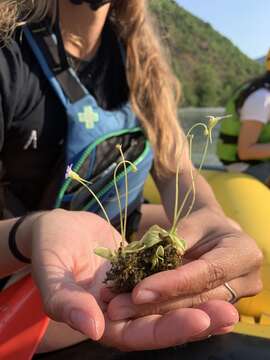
88	117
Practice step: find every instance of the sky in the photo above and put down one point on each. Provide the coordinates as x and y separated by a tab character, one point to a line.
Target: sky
245	22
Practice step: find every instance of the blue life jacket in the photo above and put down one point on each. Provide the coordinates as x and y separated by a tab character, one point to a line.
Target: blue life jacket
90	126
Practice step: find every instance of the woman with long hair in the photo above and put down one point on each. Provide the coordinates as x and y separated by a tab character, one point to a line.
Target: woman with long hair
87	76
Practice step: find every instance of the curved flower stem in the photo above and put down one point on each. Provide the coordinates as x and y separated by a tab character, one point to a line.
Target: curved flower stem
122	223
177	186
126	188
85	184
192	187
198	125
193	179
193	184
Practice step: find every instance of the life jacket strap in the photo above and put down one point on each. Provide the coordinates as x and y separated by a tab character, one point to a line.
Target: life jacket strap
52	48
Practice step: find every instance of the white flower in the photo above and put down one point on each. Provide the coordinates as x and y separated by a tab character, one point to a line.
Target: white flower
69	171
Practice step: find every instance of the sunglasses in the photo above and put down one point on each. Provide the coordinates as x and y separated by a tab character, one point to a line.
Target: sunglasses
94	4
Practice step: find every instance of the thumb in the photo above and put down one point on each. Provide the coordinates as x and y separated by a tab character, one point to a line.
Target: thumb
69	303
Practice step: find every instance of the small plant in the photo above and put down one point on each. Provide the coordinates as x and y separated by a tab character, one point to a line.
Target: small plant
158	249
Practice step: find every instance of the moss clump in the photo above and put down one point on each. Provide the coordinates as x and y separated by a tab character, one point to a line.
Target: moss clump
128	269
158	250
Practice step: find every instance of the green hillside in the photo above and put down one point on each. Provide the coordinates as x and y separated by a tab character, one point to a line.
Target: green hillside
208	65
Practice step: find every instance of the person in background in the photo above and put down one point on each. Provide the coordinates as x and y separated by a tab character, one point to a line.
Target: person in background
109	53
244	139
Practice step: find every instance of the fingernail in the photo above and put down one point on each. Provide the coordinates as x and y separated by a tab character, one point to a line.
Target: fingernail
223	330
123	313
146	296
83	323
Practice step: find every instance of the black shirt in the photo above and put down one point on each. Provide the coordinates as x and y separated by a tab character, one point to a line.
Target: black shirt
32	119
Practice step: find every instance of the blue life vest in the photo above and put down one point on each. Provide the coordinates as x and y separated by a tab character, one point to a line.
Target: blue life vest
88	127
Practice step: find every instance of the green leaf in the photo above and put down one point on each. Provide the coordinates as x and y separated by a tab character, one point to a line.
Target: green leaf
178	242
159	256
105	253
135	248
152	237
160	252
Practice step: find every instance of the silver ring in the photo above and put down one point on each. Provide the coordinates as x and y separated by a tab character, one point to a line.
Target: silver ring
232	292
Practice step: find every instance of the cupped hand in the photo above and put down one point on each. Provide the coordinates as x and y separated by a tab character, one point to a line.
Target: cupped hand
218	252
70	278
66	270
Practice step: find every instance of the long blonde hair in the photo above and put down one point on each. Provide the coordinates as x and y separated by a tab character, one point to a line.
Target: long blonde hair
154	90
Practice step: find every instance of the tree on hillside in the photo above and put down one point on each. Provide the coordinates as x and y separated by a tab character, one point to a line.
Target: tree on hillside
208	86
208	65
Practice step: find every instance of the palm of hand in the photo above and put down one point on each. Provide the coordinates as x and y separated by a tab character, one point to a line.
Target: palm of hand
70	278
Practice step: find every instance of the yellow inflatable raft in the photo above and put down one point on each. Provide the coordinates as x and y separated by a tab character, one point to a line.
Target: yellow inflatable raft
247	201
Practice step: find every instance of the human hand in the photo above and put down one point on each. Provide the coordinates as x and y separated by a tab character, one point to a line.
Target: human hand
218	252
66	270
173	328
70	278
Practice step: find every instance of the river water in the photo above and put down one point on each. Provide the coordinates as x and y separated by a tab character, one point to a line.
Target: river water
190	116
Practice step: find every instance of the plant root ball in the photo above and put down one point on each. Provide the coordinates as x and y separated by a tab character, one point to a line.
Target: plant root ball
129	269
